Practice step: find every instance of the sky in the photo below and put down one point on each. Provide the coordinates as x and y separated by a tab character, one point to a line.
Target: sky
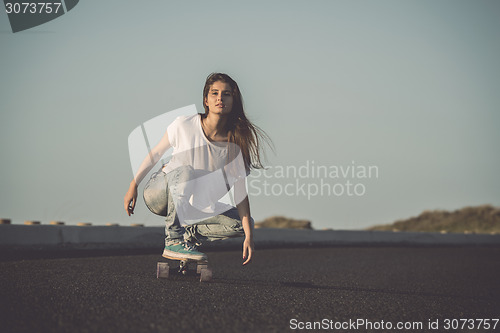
378	110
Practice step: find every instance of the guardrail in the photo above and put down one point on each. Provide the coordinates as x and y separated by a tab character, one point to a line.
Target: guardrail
114	236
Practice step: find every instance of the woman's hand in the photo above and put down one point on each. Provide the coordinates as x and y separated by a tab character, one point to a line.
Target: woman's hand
130	199
248	249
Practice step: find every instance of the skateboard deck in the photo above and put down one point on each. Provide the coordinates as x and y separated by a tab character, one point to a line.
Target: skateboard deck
165	270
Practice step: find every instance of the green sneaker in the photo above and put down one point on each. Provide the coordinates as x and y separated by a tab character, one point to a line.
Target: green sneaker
183	251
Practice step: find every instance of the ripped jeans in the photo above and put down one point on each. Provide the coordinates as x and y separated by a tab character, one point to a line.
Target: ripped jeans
226	225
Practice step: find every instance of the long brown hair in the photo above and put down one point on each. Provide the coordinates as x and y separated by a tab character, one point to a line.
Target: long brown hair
241	131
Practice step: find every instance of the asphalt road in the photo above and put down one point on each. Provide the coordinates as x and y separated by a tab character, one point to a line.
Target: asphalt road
280	290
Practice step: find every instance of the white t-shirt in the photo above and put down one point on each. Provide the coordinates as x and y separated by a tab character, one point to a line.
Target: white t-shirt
215	166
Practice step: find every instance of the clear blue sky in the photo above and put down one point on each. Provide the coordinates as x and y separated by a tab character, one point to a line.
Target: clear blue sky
410	87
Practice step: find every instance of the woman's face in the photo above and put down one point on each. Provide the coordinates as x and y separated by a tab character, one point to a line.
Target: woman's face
220	98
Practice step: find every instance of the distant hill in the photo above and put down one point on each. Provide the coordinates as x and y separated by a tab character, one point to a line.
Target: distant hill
480	219
283	222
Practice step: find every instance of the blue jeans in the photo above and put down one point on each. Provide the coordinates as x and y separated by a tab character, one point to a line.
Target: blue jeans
226	225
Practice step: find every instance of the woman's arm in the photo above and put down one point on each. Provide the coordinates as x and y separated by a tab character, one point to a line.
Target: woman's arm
147	164
243	207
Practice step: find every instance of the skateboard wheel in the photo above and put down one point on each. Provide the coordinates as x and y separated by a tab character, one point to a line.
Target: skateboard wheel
206	275
199	267
162	270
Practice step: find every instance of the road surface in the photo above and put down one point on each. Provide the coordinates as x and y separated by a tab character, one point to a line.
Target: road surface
282	290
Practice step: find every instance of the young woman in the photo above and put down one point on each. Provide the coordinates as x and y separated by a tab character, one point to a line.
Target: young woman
221	144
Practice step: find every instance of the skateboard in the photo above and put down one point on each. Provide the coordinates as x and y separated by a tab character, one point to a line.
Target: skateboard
164	270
